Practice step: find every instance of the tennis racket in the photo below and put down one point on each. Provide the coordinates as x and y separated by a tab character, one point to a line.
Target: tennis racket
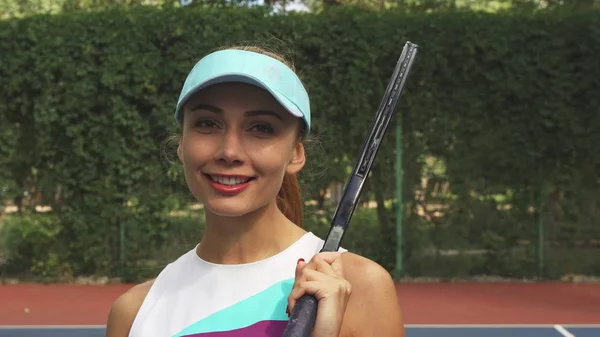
302	319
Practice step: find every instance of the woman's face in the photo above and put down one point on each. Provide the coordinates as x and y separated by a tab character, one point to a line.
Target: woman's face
237	144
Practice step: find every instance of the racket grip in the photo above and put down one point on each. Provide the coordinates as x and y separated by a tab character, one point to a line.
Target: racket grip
302	320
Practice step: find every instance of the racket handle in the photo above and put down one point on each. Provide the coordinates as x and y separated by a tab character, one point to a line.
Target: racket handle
302	320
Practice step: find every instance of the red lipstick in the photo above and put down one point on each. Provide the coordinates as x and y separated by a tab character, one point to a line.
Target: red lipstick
225	183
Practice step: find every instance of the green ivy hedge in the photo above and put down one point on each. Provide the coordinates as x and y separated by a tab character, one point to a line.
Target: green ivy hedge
502	110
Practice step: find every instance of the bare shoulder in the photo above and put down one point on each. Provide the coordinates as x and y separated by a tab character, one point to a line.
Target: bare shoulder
373	308
125	308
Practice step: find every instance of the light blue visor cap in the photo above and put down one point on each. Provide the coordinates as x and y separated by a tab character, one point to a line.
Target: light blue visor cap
253	68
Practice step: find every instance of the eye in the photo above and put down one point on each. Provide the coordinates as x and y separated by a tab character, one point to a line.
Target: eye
262	128
205	124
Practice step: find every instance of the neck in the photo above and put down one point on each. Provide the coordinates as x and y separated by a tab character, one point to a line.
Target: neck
252	237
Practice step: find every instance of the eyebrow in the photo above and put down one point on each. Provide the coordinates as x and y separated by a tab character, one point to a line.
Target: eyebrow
251	113
263	113
207	107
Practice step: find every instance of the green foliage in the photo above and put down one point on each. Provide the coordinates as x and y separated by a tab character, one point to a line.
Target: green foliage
30	244
499	120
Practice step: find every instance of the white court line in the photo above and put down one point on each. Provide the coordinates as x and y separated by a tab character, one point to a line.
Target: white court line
479	325
500	325
563	331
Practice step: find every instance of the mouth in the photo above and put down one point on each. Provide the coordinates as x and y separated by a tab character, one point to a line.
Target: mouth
229	180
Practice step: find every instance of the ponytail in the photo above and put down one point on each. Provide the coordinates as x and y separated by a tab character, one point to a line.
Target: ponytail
289	199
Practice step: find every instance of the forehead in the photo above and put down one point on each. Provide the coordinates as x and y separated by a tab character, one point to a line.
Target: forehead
235	96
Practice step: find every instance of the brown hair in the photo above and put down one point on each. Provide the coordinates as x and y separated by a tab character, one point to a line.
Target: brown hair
289	198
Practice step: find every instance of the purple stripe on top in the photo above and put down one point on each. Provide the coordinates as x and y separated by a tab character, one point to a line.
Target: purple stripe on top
260	329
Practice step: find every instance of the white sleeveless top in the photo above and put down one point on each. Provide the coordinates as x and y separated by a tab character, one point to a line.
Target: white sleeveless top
192	297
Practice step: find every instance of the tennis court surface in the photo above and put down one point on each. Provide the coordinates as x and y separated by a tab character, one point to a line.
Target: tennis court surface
503	331
411	331
430	309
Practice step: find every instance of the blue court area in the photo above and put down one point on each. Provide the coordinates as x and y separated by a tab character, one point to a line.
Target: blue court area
411	331
503	331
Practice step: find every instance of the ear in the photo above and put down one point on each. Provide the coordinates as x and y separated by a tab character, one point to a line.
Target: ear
180	149
298	159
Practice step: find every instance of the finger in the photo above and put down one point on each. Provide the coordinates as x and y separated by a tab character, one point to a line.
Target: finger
338	265
316	275
319	289
308	275
328	263
300	264
330	257
301	290
316	263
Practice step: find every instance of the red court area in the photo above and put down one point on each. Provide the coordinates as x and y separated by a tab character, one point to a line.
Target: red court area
422	303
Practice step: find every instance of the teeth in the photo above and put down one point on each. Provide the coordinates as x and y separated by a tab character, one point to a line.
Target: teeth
229	180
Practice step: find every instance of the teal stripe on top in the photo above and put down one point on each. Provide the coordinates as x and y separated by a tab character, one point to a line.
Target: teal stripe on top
269	304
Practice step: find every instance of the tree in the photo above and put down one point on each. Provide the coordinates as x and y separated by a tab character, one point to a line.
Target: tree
20	8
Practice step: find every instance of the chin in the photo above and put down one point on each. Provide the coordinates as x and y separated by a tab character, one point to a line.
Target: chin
239	205
230	208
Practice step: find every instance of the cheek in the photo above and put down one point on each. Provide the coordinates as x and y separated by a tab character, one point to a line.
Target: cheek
269	159
194	150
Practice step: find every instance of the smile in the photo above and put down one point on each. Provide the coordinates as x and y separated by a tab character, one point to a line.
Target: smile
229	184
229	180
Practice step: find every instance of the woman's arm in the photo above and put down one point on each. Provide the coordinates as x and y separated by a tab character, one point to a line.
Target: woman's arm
373	309
124	309
357	297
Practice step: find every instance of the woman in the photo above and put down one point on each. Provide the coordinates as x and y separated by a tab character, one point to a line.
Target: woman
244	115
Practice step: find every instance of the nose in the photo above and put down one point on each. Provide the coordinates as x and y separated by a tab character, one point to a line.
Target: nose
231	149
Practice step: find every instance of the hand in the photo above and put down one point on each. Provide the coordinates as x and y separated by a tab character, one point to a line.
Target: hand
323	277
